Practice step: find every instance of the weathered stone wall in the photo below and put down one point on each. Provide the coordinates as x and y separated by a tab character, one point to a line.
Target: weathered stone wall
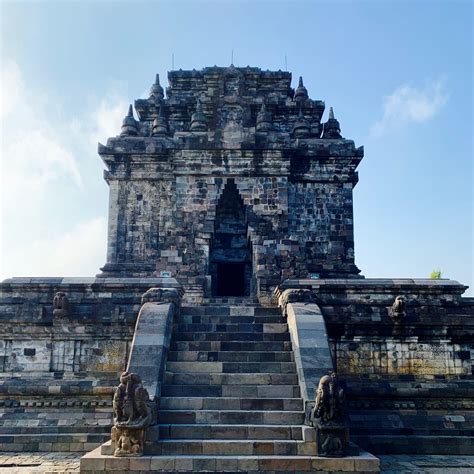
168	169
322	218
410	383
58	370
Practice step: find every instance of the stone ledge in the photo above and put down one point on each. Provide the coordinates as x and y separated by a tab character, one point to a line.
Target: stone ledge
383	284
80	282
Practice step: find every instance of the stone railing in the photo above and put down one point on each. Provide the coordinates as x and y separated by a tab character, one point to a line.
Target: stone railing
136	397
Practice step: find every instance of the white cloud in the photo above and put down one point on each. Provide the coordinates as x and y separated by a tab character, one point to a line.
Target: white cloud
32	151
11	87
409	104
46	171
108	117
75	252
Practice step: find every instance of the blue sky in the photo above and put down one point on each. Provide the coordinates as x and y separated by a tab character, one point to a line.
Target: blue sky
398	74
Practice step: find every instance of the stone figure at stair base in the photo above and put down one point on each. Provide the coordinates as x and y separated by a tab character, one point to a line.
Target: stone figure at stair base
132	415
327	416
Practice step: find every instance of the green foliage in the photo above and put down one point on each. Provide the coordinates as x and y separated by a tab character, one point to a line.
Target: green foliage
436	274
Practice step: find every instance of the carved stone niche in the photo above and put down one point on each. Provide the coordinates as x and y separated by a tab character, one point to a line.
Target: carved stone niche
60	305
326	415
133	413
162	295
397	311
128	442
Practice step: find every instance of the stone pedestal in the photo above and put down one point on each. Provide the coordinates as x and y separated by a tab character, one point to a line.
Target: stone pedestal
127	441
332	440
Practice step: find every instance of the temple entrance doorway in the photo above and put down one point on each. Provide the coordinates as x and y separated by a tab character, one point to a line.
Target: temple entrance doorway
230	256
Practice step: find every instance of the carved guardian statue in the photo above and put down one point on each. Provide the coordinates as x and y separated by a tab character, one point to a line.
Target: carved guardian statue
327	416
60	305
132	415
397	311
329	402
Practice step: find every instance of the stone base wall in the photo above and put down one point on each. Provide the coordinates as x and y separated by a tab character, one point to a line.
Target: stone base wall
58	367
409	380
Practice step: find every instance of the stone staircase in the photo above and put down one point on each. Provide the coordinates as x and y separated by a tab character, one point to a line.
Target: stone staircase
230	399
231	386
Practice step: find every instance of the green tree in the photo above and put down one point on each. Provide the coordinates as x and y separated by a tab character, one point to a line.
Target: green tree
436	274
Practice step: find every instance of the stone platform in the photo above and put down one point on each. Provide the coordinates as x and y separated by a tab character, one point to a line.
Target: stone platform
97	462
66	463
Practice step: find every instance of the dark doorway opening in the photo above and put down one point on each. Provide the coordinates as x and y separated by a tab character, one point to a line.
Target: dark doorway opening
230	279
230	263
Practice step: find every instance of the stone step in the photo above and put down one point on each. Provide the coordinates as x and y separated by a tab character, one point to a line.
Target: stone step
224	447
230	356
229	310
236	431
189	319
232	300
230	379
238	346
245	391
31	442
222	403
230	417
26	428
232	367
230	327
94	462
230	336
248	447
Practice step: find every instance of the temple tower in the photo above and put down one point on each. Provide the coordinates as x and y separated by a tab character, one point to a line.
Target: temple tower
231	183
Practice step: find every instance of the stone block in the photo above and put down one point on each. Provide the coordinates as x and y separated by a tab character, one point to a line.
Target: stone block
164	463
248	463
333	464
284	463
142	463
117	464
183	464
306	449
366	462
204	464
227	464
93	462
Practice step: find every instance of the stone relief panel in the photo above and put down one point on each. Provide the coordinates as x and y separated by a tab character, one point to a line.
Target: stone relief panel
37	355
403	357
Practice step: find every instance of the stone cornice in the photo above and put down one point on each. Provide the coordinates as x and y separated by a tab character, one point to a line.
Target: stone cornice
376	286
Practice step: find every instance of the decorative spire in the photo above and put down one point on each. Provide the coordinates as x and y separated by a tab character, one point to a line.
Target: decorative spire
198	119
331	129
301	93
302	127
264	120
156	91
160	124
129	124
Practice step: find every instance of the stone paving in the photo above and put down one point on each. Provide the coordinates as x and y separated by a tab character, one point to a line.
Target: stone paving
23	463
428	463
15	463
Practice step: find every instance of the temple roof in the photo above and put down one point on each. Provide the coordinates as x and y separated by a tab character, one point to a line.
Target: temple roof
231	107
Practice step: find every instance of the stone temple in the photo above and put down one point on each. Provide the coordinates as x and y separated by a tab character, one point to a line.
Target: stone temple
233	183
230	329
